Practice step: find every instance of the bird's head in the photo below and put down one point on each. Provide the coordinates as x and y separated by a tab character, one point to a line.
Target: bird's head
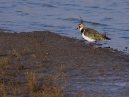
81	25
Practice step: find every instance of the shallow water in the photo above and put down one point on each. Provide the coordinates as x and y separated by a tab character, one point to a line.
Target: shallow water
62	16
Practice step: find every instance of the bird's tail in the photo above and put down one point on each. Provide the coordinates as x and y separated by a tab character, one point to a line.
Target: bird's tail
105	37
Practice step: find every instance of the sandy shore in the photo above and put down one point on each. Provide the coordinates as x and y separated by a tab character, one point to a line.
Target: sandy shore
44	64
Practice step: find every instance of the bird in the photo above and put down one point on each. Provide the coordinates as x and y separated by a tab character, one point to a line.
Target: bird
91	35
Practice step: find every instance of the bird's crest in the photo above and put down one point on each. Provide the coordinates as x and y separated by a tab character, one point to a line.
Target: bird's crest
81	25
81	20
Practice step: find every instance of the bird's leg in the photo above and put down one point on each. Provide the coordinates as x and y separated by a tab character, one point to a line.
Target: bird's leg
90	44
95	45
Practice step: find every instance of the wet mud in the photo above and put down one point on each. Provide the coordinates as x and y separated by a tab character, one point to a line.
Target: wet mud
81	71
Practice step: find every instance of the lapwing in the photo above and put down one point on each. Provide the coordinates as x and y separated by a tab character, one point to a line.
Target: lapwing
91	35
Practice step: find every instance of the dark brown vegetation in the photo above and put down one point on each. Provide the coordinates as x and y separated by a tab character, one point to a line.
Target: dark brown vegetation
44	64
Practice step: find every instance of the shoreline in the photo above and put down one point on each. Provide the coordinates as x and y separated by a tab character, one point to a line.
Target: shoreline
68	63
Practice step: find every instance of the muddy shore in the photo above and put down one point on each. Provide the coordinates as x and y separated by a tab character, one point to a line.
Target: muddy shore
44	64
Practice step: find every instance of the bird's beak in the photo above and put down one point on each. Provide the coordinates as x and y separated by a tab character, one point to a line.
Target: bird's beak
76	28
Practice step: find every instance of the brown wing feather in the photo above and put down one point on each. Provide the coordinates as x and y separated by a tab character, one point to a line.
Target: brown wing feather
95	34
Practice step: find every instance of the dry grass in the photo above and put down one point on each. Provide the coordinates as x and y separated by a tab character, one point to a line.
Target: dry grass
51	88
63	73
53	91
4	62
14	53
46	86
80	94
36	85
2	91
20	67
32	81
33	56
25	51
44	59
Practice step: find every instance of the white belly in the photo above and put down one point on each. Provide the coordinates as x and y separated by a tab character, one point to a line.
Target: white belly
87	38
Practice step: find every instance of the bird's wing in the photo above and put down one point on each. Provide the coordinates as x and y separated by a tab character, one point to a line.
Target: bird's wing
93	34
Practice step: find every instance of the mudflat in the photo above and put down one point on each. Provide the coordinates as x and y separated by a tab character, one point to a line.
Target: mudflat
45	64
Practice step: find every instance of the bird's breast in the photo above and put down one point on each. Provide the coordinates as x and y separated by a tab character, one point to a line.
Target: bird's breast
88	38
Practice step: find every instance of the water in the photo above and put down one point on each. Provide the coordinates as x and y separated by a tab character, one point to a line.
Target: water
62	16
